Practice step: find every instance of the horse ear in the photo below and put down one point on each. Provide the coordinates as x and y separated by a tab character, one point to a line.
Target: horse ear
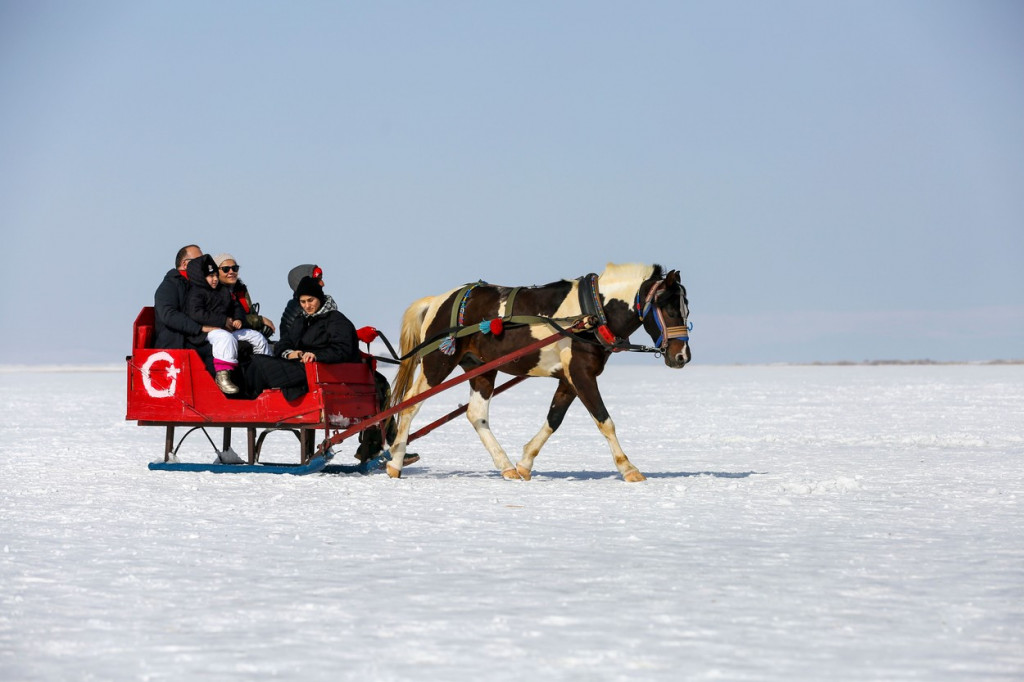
672	278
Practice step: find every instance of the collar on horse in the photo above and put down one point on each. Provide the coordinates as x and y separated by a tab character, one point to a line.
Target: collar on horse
591	307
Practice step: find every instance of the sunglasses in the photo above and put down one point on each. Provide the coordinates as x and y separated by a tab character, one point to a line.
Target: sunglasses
229	268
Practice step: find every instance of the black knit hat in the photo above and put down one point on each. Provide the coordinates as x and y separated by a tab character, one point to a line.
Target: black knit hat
309	287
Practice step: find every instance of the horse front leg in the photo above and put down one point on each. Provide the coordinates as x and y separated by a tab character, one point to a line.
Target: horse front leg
564	395
478	410
586	388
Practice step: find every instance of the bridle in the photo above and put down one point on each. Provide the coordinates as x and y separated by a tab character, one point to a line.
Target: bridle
590	303
666	333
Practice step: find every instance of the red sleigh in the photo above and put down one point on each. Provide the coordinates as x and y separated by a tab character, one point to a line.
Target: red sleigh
172	388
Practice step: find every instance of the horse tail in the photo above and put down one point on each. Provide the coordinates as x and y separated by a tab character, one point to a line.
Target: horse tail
412	331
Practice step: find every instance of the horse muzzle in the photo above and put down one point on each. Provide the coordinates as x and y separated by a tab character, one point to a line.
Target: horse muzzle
677	353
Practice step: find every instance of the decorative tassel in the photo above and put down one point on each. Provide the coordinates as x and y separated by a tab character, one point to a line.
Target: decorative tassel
495	326
448	346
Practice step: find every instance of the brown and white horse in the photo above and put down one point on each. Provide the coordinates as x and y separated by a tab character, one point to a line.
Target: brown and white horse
630	296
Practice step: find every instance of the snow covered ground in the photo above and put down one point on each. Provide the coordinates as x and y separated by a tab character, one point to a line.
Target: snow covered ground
799	523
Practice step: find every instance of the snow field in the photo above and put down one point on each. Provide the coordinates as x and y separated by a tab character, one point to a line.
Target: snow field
842	523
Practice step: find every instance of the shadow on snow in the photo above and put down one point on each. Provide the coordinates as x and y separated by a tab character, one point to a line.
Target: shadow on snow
585	475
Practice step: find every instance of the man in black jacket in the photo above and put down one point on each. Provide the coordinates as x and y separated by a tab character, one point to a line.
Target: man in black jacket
172	324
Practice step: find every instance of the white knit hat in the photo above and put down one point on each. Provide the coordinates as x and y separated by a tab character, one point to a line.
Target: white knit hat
221	257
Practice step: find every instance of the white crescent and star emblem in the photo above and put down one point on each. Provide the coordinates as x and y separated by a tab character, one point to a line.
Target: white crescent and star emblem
172	374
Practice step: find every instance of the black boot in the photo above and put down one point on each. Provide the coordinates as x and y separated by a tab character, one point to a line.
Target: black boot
370	444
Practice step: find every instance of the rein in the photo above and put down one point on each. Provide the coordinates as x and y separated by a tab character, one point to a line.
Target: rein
576	325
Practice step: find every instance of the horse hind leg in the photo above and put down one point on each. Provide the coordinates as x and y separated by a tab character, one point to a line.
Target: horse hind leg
478	412
564	395
398	446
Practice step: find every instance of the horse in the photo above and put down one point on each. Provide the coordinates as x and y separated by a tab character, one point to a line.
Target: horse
469	325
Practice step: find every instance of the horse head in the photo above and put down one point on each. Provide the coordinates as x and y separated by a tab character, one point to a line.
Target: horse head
663	310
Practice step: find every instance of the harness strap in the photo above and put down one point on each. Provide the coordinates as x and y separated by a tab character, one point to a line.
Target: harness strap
447	345
565	324
510	301
646	307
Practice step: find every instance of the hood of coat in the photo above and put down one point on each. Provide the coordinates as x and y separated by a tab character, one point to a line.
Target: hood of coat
199	268
296	274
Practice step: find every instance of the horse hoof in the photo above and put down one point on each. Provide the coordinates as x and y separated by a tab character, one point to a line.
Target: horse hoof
524	472
393	472
511	475
634	475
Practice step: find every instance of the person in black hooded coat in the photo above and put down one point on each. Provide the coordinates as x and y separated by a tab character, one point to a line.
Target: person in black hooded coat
320	333
213	306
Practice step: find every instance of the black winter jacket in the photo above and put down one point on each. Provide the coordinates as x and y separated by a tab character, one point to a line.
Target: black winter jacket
328	334
172	322
207	306
292	311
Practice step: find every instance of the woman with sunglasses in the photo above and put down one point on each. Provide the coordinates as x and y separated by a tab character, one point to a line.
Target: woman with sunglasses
212	306
228	269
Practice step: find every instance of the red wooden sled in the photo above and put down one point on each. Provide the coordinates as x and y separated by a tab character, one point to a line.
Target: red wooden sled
172	388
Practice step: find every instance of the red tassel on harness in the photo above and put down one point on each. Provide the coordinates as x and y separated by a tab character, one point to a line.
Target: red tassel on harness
497	326
367	334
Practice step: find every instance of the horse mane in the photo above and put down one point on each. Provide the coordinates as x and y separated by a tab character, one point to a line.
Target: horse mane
621	280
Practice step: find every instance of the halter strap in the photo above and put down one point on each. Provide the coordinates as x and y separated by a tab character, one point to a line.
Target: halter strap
646	308
667	333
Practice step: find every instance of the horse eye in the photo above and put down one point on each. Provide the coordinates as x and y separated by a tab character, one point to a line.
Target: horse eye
669	307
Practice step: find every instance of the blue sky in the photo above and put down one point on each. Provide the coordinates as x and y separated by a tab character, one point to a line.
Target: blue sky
835	181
